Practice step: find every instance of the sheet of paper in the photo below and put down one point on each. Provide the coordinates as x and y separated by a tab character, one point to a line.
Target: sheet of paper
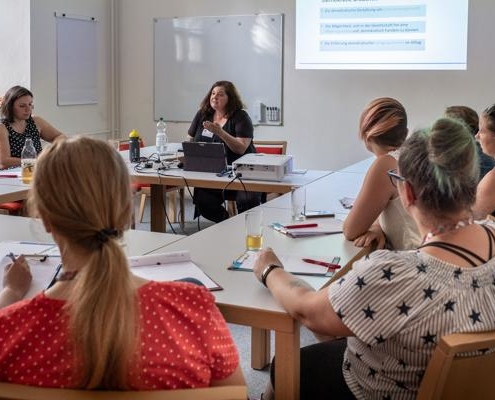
42	272
24	248
170	266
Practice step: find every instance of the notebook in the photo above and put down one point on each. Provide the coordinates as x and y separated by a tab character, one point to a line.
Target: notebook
204	157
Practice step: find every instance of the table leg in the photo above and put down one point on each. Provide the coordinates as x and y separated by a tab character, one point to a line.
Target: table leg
158	223
260	348
287	364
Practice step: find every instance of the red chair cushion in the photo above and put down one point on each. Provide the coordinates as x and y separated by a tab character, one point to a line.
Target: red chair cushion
14	206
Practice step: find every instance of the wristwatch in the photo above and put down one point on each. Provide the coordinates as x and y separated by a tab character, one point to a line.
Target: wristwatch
269	268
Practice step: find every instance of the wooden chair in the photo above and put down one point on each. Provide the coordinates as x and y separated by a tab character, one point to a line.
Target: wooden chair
145	192
264	147
451	377
13	391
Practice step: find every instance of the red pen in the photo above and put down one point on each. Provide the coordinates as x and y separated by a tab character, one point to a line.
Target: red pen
8	176
322	263
300	226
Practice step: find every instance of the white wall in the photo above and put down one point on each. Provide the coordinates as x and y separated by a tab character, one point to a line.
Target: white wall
15	57
321	108
92	118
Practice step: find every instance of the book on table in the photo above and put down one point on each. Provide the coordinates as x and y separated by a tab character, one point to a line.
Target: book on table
293	263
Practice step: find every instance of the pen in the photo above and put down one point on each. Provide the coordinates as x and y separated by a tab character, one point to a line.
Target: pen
300	226
11	256
8	176
39	257
54	279
322	263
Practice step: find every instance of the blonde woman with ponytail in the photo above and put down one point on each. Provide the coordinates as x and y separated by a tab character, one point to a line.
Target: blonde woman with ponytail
99	326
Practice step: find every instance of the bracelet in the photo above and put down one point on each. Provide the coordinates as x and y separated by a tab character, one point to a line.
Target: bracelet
266	271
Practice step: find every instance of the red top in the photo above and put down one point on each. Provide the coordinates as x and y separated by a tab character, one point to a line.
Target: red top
185	342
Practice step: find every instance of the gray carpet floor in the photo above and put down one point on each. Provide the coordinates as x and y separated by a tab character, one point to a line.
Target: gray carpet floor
256	380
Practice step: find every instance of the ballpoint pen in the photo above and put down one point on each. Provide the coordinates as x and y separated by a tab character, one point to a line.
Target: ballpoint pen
54	279
322	263
297	226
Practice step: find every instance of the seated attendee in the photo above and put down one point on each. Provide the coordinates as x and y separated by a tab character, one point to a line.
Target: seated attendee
222	119
394	306
19	123
471	119
99	326
485	196
378	210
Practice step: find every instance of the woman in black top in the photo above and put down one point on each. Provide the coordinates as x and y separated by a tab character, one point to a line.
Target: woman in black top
18	123
221	119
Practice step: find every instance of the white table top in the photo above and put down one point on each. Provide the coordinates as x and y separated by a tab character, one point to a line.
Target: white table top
31	229
324	193
214	249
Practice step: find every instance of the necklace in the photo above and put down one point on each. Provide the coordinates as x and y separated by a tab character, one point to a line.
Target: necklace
441	229
66	276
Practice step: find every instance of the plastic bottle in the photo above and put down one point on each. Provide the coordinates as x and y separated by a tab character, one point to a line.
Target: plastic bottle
161	137
28	161
134	145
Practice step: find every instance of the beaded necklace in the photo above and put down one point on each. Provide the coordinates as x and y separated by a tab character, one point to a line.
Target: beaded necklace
447	228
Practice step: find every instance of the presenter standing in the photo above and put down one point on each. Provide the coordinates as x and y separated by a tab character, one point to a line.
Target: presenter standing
18	123
221	119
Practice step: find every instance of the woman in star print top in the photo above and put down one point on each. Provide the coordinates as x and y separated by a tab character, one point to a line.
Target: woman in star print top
394	306
18	123
99	326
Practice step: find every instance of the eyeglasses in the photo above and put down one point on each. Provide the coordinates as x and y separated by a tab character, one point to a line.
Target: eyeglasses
394	177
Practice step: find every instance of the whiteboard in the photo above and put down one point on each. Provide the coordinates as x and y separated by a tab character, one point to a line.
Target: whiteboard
76	60
190	54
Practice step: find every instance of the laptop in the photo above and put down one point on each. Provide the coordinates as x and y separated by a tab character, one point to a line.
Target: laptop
204	157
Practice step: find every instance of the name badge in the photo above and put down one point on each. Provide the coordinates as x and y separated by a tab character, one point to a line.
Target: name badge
207	133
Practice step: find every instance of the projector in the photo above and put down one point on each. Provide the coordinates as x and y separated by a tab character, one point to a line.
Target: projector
263	167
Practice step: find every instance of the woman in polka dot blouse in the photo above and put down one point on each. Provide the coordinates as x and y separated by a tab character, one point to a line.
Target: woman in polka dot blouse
18	123
394	306
99	326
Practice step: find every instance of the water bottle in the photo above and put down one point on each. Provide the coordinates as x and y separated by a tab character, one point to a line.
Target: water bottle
28	160
161	137
134	145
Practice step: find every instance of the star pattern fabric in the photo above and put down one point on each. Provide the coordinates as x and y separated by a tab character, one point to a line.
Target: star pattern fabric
185	342
17	139
399	305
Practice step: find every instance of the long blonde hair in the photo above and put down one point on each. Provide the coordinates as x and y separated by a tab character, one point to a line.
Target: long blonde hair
81	188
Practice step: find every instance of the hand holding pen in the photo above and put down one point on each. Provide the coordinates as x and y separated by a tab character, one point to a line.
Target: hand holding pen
17	277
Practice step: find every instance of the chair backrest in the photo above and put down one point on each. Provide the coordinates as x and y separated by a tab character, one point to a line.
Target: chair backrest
449	376
270	146
21	392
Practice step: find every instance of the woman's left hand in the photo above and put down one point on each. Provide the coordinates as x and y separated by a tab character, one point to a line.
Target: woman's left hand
265	257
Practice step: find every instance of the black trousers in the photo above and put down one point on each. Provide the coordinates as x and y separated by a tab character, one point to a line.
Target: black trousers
209	202
321	371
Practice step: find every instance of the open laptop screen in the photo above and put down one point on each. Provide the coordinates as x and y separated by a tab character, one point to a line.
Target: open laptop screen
204	157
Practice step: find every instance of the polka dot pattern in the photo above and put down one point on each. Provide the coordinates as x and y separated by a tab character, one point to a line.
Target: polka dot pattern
17	139
185	342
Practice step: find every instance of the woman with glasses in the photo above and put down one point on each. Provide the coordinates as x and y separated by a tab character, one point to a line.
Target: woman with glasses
377	211
394	306
17	123
485	196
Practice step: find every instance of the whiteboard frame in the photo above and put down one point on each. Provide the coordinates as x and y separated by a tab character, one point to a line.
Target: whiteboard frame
197	51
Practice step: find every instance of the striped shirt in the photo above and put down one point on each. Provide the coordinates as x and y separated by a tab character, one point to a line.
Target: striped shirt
398	305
